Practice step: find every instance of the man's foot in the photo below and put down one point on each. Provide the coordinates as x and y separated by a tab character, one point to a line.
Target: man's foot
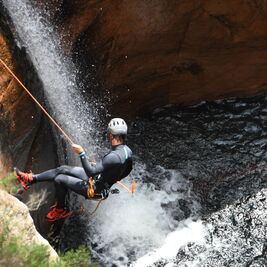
57	214
25	179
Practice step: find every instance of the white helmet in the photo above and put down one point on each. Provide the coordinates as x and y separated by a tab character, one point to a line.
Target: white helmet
117	126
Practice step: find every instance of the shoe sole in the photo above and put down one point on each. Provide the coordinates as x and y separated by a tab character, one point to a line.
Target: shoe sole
22	183
57	219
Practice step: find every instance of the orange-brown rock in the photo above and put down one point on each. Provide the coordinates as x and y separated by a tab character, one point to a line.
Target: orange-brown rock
19	116
16	218
25	137
152	53
10	107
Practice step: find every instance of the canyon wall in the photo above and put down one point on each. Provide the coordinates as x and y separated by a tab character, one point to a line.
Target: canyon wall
26	139
147	54
152	53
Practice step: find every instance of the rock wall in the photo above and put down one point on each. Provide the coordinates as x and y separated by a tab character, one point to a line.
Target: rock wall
152	53
4	82
147	54
19	116
15	215
26	139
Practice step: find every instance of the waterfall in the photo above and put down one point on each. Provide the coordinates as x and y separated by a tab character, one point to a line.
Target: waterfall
56	71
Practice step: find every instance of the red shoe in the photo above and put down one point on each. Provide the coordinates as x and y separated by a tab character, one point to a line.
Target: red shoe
25	179
57	214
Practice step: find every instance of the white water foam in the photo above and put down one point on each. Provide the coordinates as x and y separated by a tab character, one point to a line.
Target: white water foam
128	227
188	231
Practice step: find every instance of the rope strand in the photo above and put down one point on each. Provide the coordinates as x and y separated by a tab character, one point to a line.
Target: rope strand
36	101
124	186
59	128
86	213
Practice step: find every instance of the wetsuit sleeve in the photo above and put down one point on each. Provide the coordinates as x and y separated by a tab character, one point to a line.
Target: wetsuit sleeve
90	169
107	163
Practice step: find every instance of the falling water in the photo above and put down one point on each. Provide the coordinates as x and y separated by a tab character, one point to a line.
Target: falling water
56	71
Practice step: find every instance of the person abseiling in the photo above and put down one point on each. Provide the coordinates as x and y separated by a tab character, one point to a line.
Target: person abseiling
90	181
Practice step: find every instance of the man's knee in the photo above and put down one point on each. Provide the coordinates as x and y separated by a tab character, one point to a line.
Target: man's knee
60	179
63	169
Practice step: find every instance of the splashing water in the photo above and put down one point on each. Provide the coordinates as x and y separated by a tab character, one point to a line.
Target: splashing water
188	231
220	147
127	227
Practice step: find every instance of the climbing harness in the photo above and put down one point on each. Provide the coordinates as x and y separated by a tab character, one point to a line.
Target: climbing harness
91	195
90	190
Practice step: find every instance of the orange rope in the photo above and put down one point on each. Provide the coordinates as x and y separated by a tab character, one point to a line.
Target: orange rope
36	101
60	129
124	186
86	213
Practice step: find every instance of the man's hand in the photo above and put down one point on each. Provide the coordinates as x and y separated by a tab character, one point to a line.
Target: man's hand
77	148
104	193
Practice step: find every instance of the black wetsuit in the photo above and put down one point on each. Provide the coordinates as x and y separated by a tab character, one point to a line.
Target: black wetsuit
114	166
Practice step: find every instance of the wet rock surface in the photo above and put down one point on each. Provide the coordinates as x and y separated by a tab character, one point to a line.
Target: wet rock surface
26	138
16	220
236	236
220	147
23	127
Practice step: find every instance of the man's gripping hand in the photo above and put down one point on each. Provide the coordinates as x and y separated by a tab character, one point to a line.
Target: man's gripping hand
77	149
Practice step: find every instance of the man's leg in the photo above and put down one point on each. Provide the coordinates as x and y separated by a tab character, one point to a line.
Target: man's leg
64	182
65	177
28	178
50	175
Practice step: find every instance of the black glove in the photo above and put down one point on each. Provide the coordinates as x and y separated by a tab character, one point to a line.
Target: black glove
104	193
115	191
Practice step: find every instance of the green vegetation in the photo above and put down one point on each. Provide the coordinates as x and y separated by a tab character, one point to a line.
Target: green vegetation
73	258
12	253
15	254
9	183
